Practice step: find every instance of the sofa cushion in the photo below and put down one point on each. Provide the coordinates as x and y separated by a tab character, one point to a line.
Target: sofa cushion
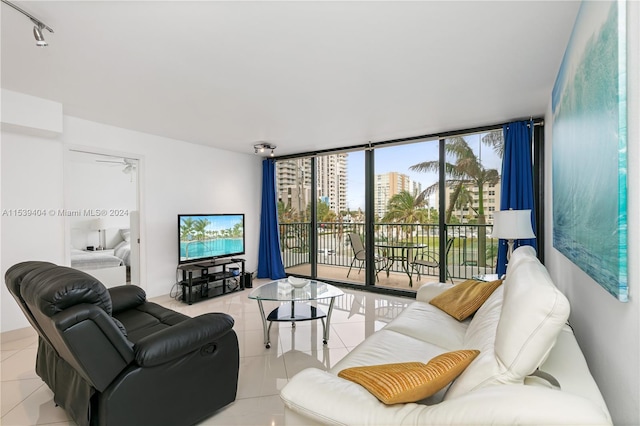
518	255
515	336
147	319
429	324
534	303
464	299
428	291
389	347
410	381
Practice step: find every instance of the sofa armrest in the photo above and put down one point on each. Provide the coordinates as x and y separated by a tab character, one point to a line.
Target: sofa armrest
327	399
126	297
430	290
180	339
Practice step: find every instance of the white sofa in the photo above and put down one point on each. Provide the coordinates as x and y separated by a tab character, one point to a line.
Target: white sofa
520	327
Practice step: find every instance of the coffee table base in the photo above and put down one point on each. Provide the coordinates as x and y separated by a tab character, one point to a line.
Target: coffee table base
292	313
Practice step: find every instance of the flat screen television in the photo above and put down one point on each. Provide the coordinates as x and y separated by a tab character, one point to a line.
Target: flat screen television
209	236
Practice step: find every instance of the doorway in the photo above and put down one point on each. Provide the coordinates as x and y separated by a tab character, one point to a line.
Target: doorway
102	203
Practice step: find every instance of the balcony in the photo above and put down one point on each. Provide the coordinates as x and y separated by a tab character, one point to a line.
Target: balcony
467	257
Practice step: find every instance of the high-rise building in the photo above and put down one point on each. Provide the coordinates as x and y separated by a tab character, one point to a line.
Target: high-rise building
389	184
293	179
331	174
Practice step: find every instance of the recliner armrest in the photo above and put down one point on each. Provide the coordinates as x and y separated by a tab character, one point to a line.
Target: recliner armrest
177	341
126	297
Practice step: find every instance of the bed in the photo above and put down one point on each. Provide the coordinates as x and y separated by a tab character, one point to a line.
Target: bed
88	260
110	265
121	243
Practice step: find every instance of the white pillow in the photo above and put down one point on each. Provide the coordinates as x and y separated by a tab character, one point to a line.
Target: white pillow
516	337
430	290
518	255
125	234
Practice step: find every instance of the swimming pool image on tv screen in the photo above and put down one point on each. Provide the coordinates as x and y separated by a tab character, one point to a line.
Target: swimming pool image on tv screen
210	236
210	248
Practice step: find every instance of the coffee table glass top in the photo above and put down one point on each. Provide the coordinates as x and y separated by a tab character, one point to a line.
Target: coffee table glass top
282	291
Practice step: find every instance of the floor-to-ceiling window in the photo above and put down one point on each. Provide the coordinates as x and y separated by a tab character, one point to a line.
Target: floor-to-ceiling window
472	194
340	214
393	215
294	192
406	183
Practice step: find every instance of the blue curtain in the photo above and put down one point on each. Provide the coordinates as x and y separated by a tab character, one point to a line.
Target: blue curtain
269	257
517	181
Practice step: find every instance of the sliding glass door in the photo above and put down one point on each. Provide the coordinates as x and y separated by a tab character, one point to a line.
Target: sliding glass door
340	214
406	214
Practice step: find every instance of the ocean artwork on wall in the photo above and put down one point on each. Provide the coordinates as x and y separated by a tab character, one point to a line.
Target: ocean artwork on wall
589	106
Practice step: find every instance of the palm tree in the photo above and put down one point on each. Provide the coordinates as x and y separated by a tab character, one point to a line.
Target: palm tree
407	208
466	171
495	140
186	228
200	228
286	213
465	200
237	230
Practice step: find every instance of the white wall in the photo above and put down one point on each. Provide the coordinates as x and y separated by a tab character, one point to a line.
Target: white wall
31	181
608	331
175	177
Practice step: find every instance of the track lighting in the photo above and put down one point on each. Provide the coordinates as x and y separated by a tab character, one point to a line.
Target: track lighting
260	147
37	33
37	29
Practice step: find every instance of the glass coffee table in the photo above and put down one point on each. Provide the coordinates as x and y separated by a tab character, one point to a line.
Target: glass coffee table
283	291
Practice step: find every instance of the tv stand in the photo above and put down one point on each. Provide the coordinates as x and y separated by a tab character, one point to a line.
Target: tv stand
212	278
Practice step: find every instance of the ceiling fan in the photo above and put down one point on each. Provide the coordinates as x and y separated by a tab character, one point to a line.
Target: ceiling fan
129	165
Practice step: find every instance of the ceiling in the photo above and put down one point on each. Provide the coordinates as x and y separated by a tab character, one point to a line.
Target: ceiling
304	75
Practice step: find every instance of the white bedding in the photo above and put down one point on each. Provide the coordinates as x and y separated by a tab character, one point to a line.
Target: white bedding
86	260
123	251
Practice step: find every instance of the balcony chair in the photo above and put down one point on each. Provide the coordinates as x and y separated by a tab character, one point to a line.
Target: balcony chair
427	260
359	254
110	357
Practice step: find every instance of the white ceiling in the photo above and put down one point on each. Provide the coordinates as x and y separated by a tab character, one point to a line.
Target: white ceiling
302	75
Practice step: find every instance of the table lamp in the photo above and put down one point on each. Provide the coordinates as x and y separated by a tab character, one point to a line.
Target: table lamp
98	225
512	225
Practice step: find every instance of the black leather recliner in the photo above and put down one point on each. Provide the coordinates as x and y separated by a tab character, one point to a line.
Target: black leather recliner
112	358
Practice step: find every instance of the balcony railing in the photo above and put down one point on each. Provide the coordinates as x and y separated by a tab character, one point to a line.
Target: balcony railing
468	256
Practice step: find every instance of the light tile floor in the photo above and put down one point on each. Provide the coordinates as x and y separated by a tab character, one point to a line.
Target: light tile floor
26	400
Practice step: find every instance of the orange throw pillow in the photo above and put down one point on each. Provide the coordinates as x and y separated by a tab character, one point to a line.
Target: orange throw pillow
464	299
410	381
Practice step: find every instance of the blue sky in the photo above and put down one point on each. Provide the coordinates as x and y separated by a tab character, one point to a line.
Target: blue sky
400	158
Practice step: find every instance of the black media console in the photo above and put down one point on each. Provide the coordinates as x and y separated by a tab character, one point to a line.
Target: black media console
202	280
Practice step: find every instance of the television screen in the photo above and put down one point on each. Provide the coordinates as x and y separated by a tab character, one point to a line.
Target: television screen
209	236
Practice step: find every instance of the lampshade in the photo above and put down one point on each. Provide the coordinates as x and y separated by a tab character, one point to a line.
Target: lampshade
512	225
98	224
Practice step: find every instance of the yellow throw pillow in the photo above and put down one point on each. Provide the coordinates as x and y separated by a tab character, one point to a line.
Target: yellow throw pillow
410	381
464	299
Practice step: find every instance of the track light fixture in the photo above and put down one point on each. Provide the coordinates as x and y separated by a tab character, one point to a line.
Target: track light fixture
37	33
37	29
262	146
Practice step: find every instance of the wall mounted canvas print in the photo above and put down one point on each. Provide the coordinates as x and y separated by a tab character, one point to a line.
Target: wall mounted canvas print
590	147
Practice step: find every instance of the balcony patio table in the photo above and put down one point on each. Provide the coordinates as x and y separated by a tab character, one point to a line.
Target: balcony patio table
406	251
